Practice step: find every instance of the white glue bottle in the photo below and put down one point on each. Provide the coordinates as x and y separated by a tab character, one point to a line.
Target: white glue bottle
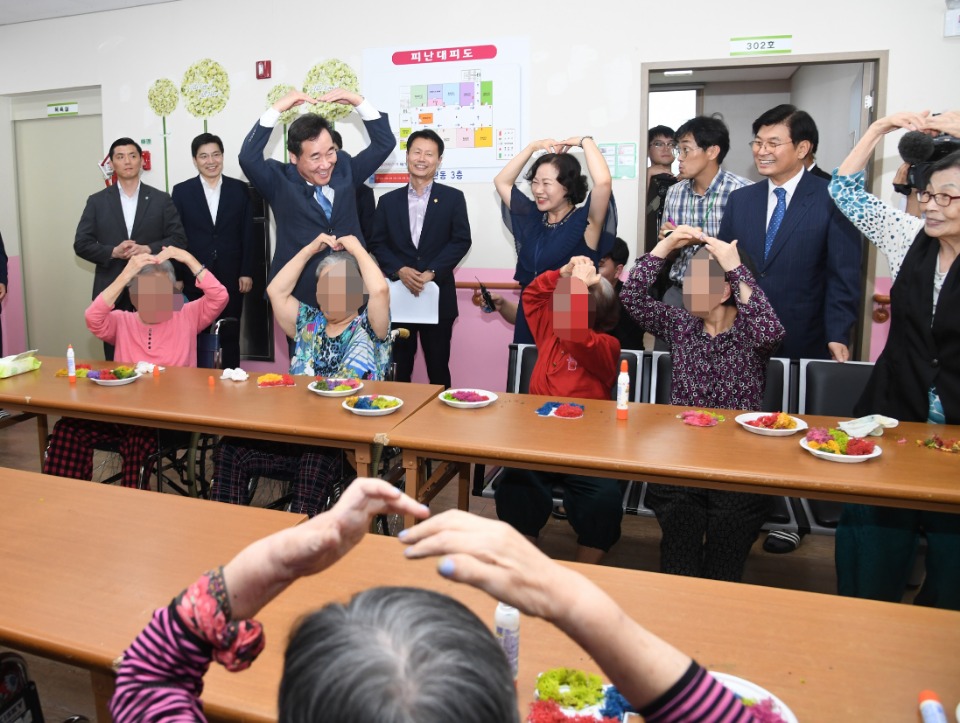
623	390
507	623
71	365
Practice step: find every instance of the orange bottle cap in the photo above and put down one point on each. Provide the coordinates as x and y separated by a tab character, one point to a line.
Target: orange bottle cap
623	365
928	695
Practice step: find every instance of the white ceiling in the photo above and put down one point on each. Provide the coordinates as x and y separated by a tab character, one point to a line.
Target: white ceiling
25	11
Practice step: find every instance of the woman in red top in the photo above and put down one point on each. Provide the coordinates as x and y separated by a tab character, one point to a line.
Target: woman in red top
567	311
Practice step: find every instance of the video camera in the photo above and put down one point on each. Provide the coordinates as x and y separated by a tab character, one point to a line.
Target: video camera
922	151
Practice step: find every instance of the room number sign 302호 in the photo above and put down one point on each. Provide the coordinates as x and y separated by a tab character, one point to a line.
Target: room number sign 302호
761	45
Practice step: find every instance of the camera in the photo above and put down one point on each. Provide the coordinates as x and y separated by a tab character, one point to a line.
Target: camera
922	151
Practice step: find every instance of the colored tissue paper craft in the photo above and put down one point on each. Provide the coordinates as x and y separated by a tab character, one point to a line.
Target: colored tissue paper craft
276	380
941	445
701	418
369	402
465	395
776	420
337	385
836	441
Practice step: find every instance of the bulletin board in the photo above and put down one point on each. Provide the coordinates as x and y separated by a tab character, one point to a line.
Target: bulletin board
473	95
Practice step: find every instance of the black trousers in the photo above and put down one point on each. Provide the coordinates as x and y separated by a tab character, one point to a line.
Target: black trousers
594	505
706	533
436	350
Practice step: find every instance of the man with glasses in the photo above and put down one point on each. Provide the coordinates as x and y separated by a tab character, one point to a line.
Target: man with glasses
218	220
660	145
700	197
807	253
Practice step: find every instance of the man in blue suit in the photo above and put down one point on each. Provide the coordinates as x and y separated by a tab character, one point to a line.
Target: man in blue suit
420	233
315	192
806	251
218	220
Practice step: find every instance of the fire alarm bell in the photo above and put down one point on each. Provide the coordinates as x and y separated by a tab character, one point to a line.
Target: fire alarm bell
263	69
146	160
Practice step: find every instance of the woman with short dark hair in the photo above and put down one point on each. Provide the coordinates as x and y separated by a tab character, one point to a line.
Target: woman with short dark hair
554	227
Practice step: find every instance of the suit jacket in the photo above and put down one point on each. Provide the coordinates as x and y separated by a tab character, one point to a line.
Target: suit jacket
102	228
444	239
812	275
298	215
224	245
820	173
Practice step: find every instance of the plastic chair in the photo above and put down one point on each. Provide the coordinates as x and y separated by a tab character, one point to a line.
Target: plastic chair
19	700
833	389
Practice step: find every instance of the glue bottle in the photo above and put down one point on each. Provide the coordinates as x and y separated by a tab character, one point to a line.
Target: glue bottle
931	709
507	623
71	365
623	390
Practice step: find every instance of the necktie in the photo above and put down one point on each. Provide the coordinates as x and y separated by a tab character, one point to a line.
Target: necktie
324	202
775	219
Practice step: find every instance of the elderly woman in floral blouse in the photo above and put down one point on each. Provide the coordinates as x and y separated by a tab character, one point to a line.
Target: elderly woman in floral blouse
721	341
336	338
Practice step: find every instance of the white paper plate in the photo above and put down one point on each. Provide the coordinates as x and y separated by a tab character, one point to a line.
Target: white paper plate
742	420
491	398
842	458
752	691
116	382
315	388
374	412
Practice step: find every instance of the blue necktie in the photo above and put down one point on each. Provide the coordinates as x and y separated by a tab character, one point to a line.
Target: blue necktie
776	219
325	202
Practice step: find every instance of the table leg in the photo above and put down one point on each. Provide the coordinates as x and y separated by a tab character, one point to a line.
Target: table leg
364	457
463	494
42	433
416	476
103	685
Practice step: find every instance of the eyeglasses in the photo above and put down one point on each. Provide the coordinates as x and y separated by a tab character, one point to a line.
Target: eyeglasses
660	144
764	145
210	156
941	199
684	152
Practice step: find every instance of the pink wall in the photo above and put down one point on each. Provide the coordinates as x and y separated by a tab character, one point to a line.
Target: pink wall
878	332
14	318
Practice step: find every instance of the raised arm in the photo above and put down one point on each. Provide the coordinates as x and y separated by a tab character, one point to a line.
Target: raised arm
378	303
280	290
508	176
861	154
602	187
494	557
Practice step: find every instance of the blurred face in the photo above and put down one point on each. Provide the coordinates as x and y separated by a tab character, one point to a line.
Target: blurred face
660	151
152	296
548	192
317	159
423	158
209	161
127	162
776	155
943	221
573	310
692	159
704	285
609	270
340	291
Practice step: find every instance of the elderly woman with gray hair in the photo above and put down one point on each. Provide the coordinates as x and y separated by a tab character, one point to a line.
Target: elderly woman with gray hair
162	331
347	335
400	654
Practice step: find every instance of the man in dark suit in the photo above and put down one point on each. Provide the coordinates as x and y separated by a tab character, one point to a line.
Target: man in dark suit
218	220
806	251
316	191
366	203
123	220
420	233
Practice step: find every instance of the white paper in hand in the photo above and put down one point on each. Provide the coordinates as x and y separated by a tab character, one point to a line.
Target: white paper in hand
409	309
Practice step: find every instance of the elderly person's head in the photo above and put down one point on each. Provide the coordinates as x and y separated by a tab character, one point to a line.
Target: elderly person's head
705	285
395	654
583	302
940	200
556	179
340	288
152	292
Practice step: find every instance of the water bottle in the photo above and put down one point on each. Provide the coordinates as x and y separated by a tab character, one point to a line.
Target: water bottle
507	625
71	364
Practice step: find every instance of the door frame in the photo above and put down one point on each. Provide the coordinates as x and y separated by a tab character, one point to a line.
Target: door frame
877	59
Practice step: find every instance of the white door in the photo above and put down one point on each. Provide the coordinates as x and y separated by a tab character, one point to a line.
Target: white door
56	172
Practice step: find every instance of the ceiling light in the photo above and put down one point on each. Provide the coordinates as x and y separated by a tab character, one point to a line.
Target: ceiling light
678	72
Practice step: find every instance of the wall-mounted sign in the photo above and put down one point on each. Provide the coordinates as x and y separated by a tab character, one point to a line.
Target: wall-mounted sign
762	45
58	109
